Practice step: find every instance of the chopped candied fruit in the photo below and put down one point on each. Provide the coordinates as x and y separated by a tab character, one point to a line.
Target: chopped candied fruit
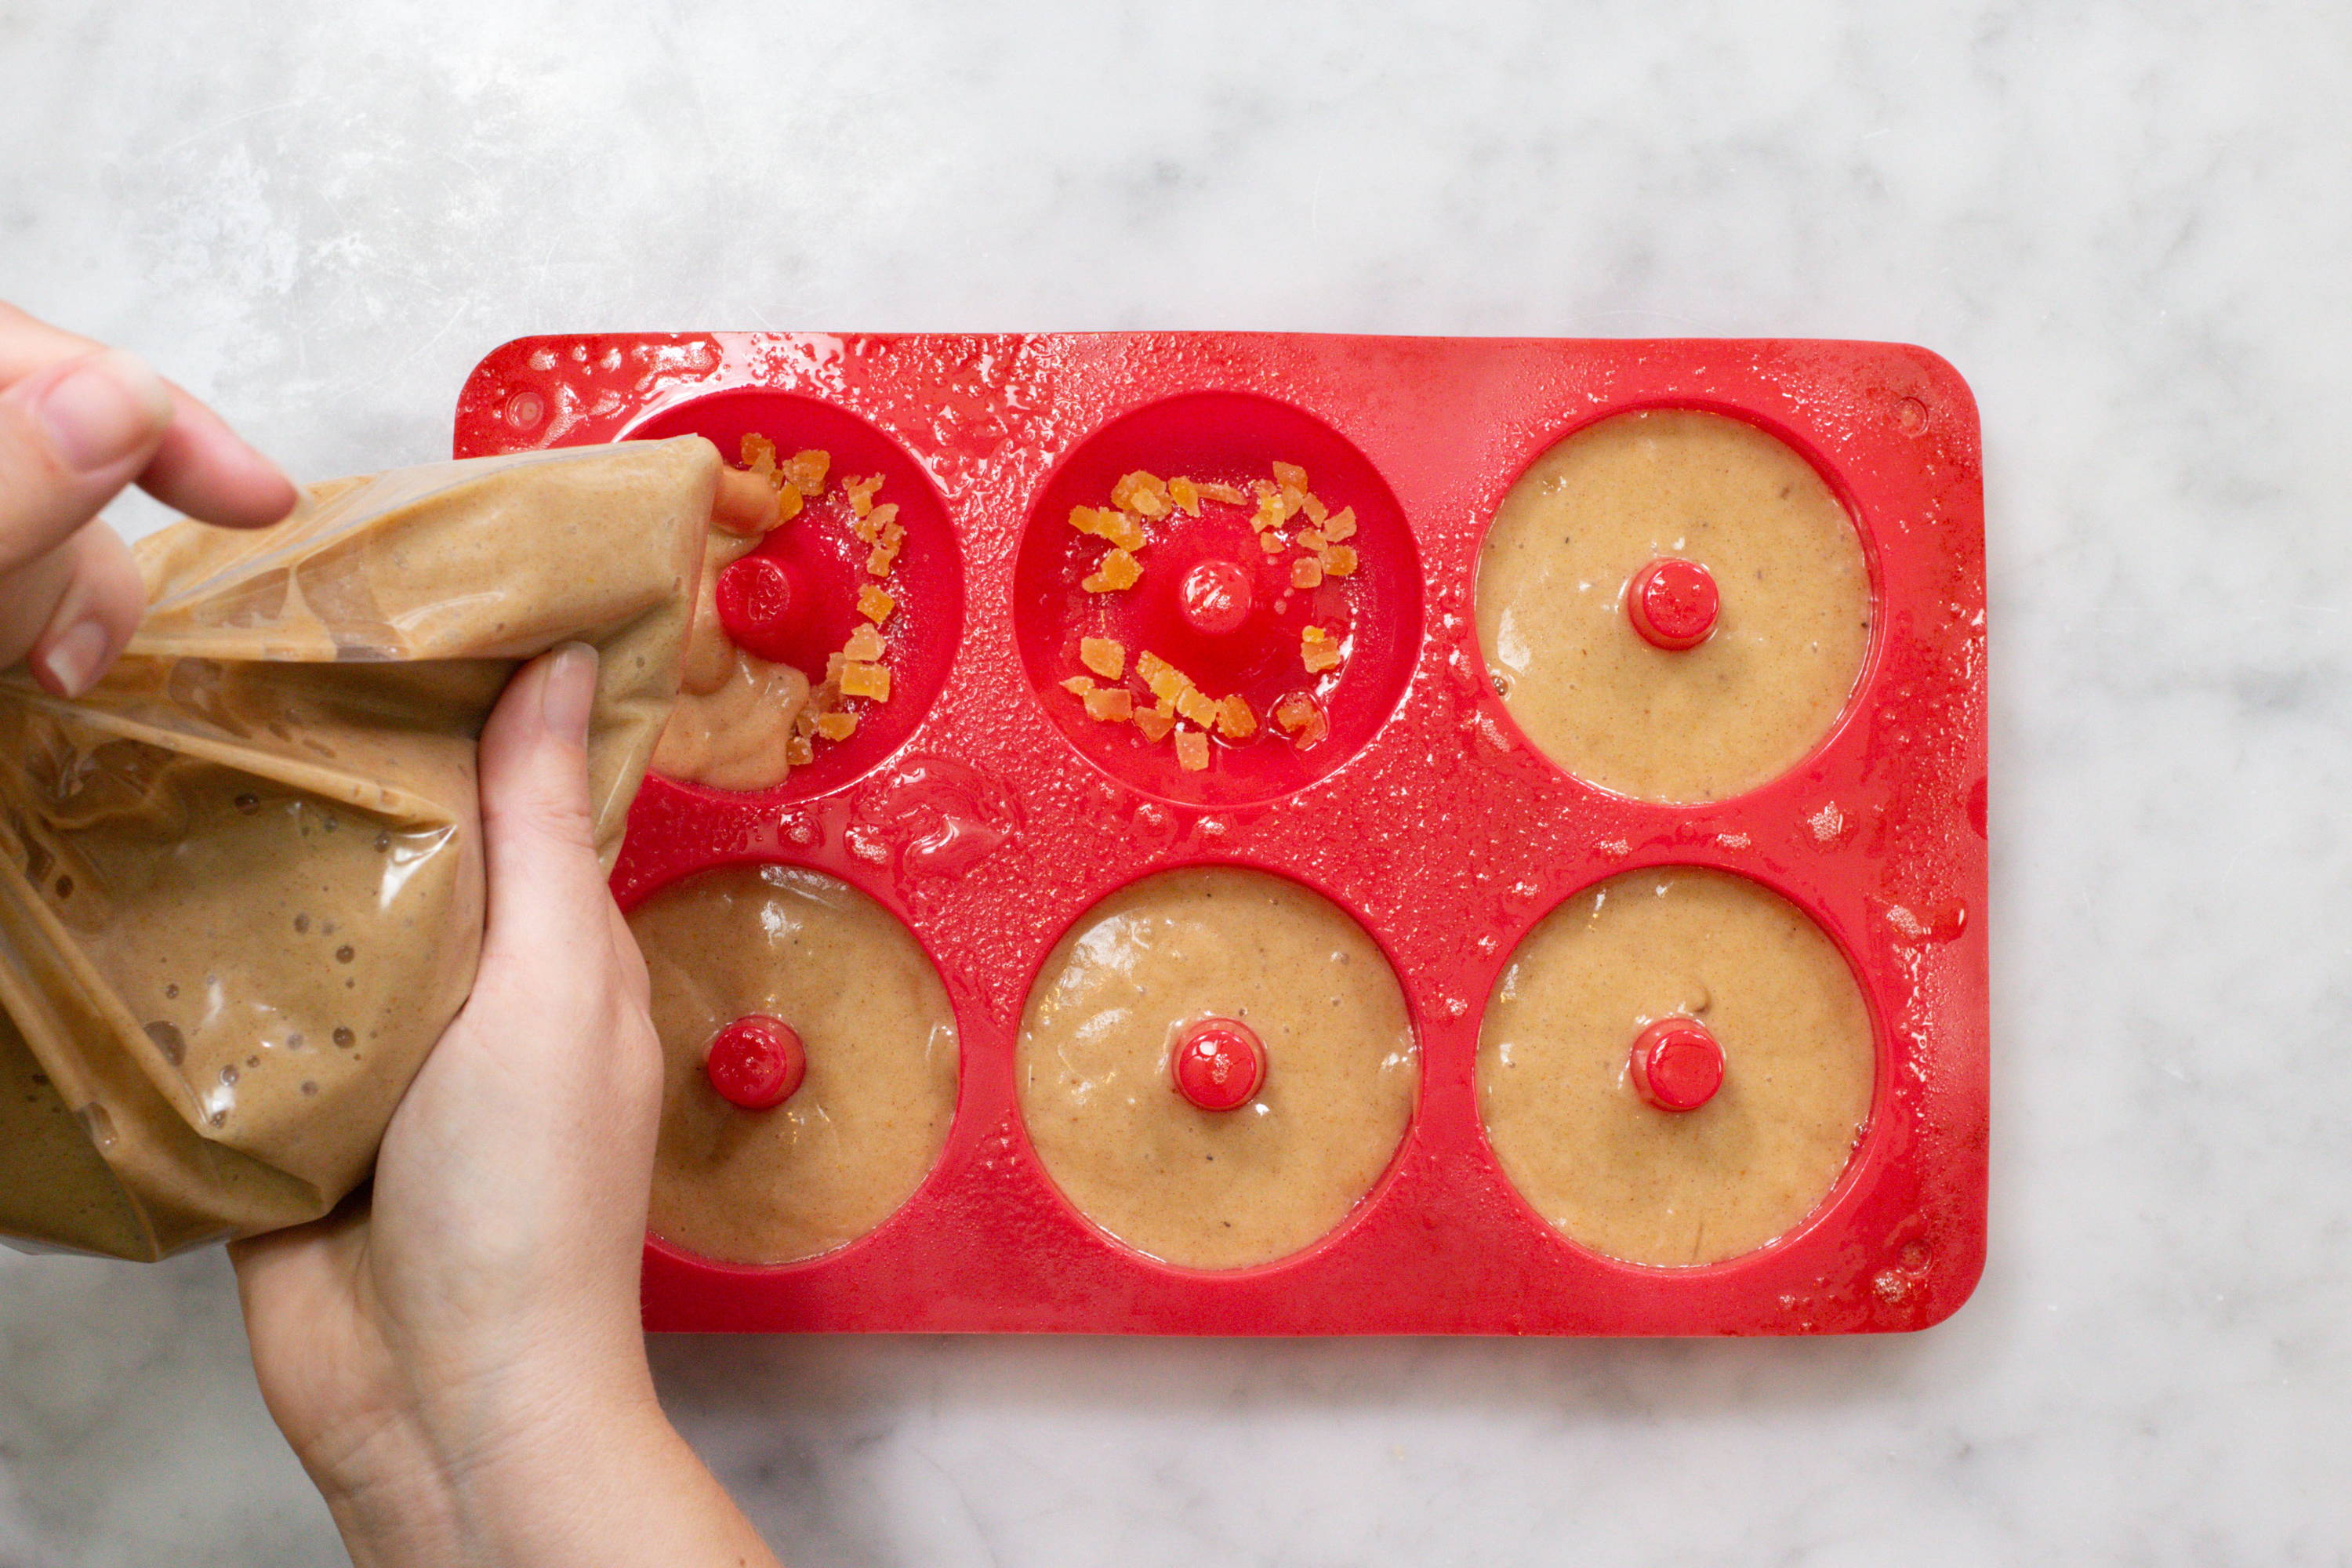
866	680
1234	718
837	726
880	559
1140	492
835	663
1341	525
1192	751
874	605
1315	509
1271	543
1078	685
758	453
1111	704
799	752
1107	657
804	722
1305	573
806	472
1085	519
1318	650
1311	540
861	491
877	524
1340	561
1225	493
865	645
1301	719
1272	511
1198	706
1119	527
1167	682
1118	570
1290	477
1154	724
788	504
1186	495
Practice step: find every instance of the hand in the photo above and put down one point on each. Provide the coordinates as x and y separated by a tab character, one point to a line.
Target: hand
78	422
458	1362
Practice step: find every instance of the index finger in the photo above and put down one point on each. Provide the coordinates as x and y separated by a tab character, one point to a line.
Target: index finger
200	468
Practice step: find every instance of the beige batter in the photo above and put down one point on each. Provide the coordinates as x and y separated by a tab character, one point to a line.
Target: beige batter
838	1158
1659	1186
735	711
1702	723
1216	1189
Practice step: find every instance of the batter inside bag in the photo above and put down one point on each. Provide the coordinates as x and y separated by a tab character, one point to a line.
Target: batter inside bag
241	882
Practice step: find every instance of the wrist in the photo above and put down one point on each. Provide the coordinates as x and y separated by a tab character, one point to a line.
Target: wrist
503	1477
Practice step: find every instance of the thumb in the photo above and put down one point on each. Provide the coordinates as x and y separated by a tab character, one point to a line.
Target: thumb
547	890
71	437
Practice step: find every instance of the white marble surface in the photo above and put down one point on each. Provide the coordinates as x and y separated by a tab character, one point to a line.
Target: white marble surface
2126	225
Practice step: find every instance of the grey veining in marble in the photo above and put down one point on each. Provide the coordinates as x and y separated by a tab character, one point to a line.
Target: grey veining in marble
2126	225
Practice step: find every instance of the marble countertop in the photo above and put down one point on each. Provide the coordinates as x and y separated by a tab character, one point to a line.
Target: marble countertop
2126	225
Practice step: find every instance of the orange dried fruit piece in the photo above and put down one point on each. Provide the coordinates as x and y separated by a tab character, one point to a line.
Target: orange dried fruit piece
1111	704
1311	539
1234	718
788	504
874	605
1225	493
1271	543
1290	477
1301	719
865	645
1272	511
799	752
1118	570
1107	657
880	559
866	680
1318	651
1154	724
759	454
1305	573
1340	524
804	722
837	726
806	471
1192	751
861	491
1198	706
1314	508
1140	492
878	523
1186	495
1078	685
1118	528
1166	681
1085	519
1340	561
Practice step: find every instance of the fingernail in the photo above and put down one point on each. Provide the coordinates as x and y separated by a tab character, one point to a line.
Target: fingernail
73	662
569	691
104	410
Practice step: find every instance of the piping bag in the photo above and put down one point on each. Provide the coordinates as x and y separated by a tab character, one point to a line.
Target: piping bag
241	886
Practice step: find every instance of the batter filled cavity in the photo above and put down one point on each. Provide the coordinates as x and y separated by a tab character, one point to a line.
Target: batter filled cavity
746	716
870	1113
1147	974
1718	696
1699	951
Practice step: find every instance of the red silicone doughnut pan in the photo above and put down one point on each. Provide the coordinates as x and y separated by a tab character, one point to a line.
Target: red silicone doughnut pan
988	814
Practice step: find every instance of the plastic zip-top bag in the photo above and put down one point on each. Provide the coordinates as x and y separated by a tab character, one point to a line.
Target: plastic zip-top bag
241	883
